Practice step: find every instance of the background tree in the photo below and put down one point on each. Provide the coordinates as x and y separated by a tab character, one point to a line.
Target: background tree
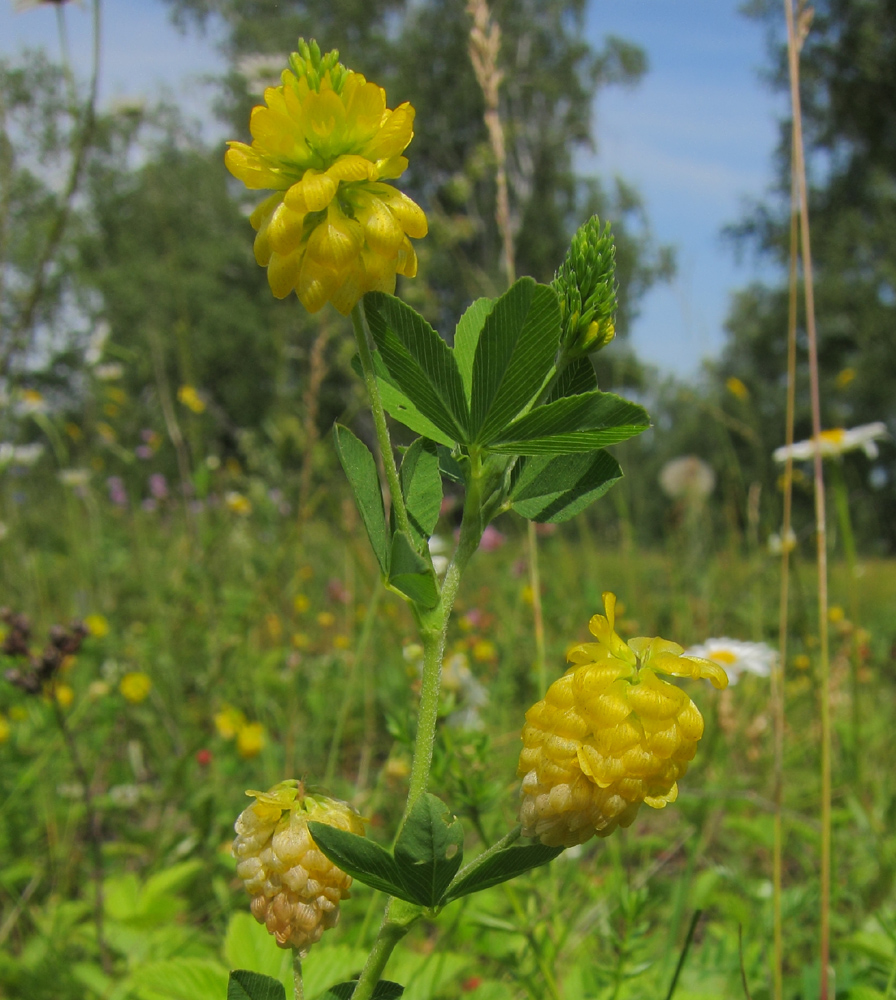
849	107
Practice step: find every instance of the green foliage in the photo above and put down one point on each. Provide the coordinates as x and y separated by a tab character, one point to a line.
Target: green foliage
384	990
244	985
360	470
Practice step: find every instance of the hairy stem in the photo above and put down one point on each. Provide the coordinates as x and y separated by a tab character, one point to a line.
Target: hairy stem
379	420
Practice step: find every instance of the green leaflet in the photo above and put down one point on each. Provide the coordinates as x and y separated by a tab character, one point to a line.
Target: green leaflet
421	485
360	469
429	850
502	867
245	985
421	364
572	424
514	355
556	488
410	573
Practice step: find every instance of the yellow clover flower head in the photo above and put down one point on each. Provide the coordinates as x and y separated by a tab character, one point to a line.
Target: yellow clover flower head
295	888
325	142
609	735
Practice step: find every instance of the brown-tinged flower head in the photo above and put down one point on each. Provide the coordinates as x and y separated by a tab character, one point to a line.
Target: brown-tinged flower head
325	142
295	888
609	735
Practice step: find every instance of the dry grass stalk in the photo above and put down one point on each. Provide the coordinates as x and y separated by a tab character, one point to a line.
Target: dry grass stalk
485	44
797	30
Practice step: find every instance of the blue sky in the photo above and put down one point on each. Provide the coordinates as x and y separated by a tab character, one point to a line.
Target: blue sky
696	136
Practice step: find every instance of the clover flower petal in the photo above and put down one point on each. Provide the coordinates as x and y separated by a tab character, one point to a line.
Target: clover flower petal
608	735
325	141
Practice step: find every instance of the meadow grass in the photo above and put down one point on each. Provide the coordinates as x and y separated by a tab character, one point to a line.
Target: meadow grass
254	614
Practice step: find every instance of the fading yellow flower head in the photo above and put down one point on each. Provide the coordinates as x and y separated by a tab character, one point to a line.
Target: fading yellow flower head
295	888
135	687
228	721
609	735
325	142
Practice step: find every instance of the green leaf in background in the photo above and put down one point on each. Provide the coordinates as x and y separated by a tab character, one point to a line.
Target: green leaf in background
515	352
502	867
554	489
360	469
466	339
410	573
361	858
421	485
182	979
330	963
245	985
429	850
248	946
384	990
577	377
397	404
419	361
572	424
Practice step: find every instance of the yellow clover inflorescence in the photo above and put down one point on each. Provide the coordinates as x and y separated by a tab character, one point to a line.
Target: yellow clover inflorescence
325	142
295	888
609	735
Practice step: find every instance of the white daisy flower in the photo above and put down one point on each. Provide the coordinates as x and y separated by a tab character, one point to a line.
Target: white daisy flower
834	442
737	657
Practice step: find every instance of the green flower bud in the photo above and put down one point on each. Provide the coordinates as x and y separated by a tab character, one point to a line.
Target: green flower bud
586	286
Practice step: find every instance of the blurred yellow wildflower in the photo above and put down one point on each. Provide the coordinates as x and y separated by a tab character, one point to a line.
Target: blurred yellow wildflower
341	642
300	640
64	695
836	614
228	721
250	740
135	687
98	626
74	431
4	728
236	503
189	397
326	619
484	651
301	604
295	888
737	388
106	432
609	735
845	377
325	142
801	661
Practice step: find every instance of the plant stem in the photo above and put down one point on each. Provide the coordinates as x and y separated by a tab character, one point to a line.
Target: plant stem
351	684
391	932
537	615
820	516
379	419
509	838
841	503
298	986
682	958
94	833
777	678
433	627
